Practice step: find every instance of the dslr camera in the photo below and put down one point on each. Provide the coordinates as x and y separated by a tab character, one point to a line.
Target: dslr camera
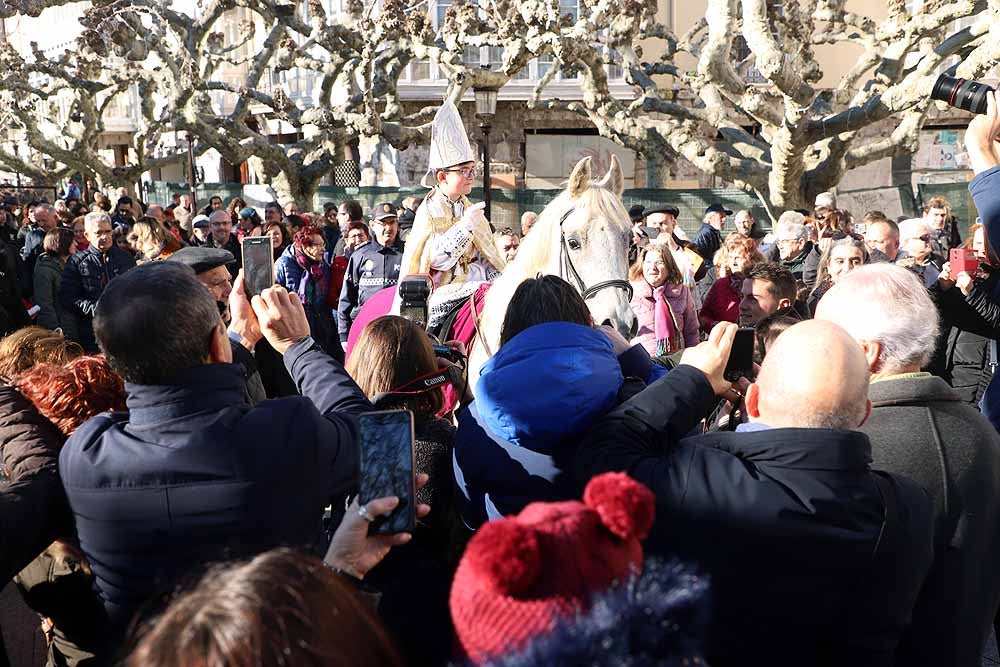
961	93
414	292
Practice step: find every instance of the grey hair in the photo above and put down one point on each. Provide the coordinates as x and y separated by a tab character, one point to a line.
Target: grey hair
796	230
46	207
790	217
96	217
908	228
888	304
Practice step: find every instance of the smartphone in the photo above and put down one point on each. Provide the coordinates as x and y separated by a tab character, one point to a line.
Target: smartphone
961	260
387	467
740	362
258	264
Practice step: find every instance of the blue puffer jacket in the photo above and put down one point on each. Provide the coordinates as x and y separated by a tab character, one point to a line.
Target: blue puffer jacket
546	385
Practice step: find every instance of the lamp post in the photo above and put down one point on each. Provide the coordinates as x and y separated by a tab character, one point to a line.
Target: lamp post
191	176
486	108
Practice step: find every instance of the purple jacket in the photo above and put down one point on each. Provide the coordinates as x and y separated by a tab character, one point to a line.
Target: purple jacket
644	306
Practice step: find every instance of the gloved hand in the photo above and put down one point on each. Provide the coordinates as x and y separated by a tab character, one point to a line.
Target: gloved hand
473	217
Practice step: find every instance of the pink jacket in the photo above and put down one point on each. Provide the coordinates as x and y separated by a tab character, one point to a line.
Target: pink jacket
681	302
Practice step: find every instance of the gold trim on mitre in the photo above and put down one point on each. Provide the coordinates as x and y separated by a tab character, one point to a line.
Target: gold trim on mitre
449	142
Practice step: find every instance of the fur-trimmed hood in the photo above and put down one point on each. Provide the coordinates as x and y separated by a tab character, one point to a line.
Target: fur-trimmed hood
659	618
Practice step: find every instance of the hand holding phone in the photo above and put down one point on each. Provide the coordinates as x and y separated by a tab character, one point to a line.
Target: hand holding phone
258	264
740	363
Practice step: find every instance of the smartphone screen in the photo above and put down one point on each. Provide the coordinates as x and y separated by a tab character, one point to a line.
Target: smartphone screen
258	264
740	362
387	467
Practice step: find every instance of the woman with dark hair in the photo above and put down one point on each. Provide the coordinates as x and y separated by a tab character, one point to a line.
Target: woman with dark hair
554	374
390	359
301	269
280	238
662	303
58	245
282	609
236	204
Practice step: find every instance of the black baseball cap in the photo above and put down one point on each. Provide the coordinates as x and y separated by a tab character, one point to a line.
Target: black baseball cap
383	211
718	208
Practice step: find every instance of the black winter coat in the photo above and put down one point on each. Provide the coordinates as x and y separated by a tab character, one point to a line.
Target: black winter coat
191	474
13	316
86	275
788	524
920	428
33	509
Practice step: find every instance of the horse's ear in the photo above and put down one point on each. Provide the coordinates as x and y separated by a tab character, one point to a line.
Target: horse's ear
614	180
579	180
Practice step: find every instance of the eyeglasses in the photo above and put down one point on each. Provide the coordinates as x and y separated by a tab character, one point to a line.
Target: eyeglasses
468	172
926	238
506	231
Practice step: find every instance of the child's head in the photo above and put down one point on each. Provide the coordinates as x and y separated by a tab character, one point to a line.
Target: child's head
456	180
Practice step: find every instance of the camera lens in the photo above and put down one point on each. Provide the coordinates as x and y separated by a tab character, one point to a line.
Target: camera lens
961	93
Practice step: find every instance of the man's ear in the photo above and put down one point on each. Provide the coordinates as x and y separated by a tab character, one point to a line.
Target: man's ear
784	303
868	412
873	351
220	351
752	401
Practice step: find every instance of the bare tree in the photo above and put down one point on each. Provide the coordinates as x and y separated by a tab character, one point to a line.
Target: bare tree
762	123
777	134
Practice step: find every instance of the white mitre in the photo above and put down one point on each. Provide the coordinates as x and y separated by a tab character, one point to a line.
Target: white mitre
449	143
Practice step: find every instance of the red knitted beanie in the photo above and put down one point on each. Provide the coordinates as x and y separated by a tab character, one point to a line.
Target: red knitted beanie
518	574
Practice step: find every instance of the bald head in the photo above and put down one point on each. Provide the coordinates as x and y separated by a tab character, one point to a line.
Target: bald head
220	224
815	376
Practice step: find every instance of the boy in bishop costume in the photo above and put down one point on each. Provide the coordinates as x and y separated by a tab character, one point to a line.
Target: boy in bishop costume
451	239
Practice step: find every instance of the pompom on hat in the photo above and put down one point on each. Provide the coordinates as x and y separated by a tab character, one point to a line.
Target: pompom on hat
520	574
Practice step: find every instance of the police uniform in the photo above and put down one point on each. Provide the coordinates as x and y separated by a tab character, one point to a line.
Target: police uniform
371	268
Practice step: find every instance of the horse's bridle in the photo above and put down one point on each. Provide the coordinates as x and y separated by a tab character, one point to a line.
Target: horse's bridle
567	271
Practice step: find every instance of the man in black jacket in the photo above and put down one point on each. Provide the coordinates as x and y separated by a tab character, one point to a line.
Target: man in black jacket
814	558
920	428
192	474
88	273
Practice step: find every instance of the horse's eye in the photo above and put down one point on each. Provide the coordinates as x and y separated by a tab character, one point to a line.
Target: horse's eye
574	244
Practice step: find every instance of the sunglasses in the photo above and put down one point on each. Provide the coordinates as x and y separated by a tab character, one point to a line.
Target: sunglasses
926	238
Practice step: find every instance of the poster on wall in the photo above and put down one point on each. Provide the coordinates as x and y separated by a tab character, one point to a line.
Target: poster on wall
550	158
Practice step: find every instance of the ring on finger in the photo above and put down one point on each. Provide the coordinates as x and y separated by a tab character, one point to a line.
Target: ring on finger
364	514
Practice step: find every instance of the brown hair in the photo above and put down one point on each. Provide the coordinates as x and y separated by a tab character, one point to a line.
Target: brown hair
674	276
823	271
57	241
540	300
390	352
25	348
281	609
874	216
782	282
937	201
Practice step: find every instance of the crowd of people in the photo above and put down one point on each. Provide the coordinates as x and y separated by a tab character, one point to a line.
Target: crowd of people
179	462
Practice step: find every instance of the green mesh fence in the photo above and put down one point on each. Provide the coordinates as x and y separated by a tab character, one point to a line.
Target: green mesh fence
509	205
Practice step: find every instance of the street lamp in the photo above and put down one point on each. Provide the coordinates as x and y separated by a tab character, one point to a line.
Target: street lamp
486	108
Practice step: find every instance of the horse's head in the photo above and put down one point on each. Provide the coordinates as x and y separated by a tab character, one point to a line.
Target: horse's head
584	238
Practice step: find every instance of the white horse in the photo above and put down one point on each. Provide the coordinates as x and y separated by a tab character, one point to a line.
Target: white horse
582	236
